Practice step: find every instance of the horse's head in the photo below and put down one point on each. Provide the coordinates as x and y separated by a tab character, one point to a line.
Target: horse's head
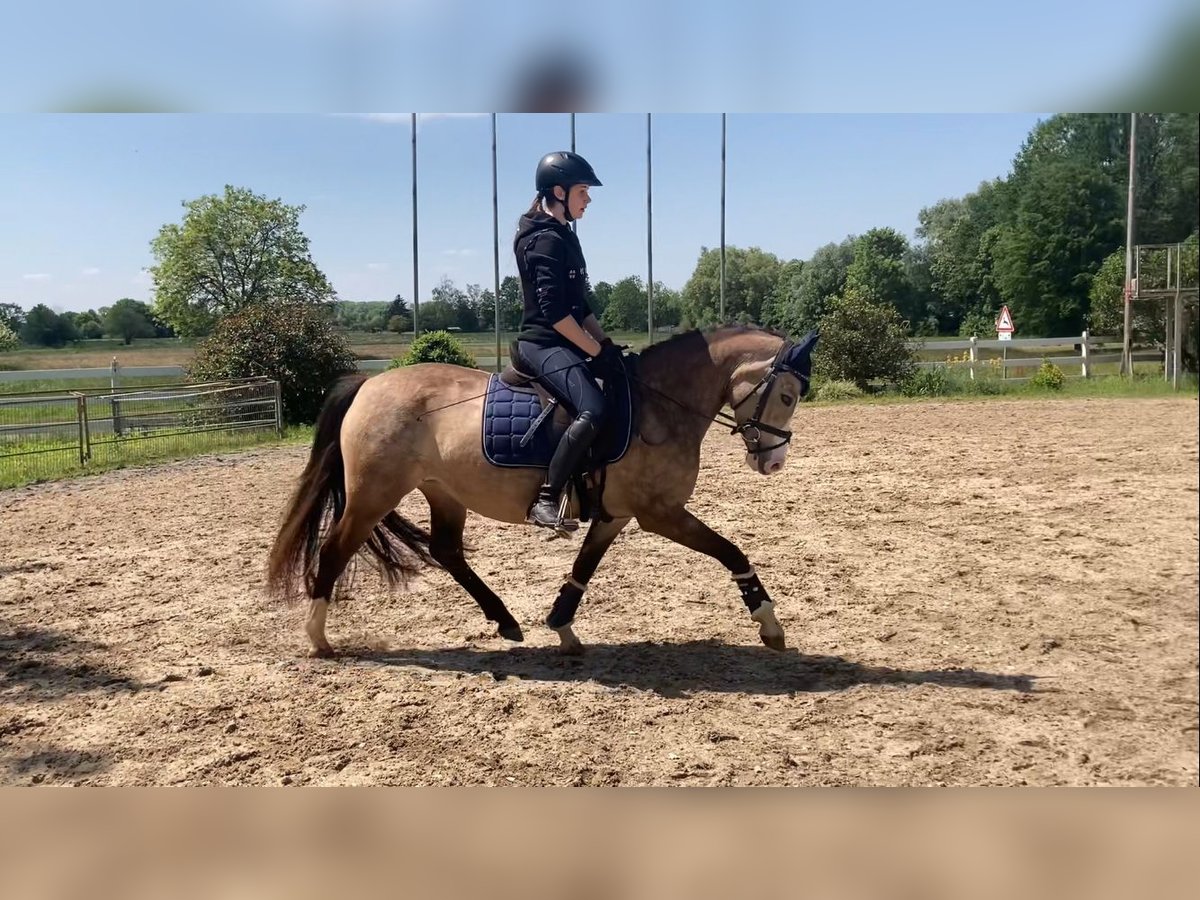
764	394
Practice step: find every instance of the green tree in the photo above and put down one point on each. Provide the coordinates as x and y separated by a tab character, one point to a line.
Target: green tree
437	315
600	296
878	271
232	251
128	319
45	328
862	340
804	298
751	278
8	339
512	306
293	344
668	306
626	308
12	316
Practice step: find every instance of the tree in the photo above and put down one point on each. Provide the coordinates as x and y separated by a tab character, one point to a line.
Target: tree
483	307
294	344
803	297
751	278
462	313
88	325
626	308
232	251
12	316
600	296
437	315
668	306
128	319
8	339
878	271
45	328
512	305
862	340
1068	218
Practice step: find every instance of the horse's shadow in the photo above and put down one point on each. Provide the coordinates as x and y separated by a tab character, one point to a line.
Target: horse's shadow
680	669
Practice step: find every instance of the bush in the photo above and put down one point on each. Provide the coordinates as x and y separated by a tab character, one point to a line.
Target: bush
935	381
836	390
8	340
1049	377
435	347
979	322
862	340
295	344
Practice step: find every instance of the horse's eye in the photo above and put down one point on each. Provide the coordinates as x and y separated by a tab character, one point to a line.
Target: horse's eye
787	401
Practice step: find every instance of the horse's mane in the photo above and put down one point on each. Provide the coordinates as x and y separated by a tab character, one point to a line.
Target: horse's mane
674	343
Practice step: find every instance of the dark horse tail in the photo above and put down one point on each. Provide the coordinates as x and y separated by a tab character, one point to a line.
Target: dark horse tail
399	546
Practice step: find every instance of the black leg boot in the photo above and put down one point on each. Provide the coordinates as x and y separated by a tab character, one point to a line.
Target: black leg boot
565	462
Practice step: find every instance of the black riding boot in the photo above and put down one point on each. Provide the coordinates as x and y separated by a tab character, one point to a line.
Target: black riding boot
565	462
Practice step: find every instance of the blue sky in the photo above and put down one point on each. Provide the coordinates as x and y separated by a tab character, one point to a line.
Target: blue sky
82	196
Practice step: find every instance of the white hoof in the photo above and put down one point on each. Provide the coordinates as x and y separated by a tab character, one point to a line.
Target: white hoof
315	628
570	645
769	629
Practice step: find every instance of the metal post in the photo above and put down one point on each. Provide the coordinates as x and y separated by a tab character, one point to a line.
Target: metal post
1127	344
416	283
1084	369
649	234
114	403
1177	345
1168	321
722	308
80	414
278	409
974	355
496	241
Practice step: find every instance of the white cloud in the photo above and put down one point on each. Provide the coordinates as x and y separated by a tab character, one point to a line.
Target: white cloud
463	252
90	270
37	276
378	267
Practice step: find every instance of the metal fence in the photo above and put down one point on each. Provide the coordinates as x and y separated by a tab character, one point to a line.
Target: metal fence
52	433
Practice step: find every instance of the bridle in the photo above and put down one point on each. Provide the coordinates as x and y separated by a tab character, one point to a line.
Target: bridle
764	387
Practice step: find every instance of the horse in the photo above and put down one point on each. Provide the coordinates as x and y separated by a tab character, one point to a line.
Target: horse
379	438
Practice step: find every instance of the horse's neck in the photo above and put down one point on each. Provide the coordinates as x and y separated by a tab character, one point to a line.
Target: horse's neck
697	374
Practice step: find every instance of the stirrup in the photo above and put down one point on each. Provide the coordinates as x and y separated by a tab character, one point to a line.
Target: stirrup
563	526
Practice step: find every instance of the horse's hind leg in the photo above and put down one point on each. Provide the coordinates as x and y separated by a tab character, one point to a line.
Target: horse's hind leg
447	519
345	537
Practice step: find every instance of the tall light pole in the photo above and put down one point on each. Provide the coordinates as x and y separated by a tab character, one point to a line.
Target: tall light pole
1127	344
722	315
416	282
496	242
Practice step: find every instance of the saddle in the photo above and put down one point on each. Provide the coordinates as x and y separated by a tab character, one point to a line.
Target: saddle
523	423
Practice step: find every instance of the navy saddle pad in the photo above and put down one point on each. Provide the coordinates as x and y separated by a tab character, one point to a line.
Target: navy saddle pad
509	413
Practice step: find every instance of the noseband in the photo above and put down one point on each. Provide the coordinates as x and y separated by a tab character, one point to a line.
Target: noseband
764	387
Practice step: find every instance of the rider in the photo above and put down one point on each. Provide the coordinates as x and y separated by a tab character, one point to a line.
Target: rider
560	340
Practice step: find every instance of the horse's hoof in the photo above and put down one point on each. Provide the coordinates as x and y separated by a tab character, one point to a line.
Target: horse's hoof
511	633
321	653
775	642
573	649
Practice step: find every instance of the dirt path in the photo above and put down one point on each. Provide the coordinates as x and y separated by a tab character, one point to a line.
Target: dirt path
979	593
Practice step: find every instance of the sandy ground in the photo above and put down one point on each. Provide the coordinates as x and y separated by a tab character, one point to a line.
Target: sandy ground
977	593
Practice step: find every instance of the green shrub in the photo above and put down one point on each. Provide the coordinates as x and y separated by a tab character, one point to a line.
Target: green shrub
295	344
861	340
1049	377
836	390
436	347
935	381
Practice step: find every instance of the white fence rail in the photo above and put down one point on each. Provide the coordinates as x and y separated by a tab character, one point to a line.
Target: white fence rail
1089	353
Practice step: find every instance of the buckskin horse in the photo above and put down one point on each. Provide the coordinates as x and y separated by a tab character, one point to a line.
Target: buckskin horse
421	428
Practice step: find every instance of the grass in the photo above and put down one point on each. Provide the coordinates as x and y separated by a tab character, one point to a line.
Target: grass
56	460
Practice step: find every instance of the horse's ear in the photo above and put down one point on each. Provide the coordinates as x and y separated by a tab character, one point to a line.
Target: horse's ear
803	350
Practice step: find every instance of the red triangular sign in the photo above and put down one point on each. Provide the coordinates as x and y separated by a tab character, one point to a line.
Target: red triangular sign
1005	323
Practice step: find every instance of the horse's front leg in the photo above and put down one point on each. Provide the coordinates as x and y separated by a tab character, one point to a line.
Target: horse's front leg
599	538
681	526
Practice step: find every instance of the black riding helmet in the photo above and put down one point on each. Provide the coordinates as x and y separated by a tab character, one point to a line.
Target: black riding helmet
564	169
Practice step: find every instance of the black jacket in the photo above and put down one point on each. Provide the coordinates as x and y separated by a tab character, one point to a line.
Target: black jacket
554	280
